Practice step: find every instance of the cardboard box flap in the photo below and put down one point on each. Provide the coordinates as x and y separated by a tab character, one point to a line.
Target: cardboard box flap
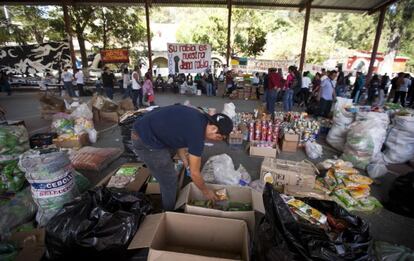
168	256
183	196
257	200
146	232
291	137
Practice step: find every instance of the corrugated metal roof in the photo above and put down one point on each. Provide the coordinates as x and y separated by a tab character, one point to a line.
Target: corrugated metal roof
345	5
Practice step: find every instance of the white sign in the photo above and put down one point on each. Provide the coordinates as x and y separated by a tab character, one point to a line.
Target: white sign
188	58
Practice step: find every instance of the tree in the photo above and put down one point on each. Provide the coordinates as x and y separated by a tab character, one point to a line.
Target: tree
399	18
120	26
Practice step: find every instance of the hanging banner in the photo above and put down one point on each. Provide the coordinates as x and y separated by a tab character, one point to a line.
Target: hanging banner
37	58
188	58
256	65
115	56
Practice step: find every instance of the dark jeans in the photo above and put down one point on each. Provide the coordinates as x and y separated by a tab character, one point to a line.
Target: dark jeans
161	167
80	89
137	96
304	96
324	107
109	92
400	96
128	92
271	95
69	88
6	88
371	95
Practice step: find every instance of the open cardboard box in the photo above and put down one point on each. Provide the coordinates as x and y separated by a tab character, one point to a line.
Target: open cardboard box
290	142
177	236
78	142
141	177
235	194
32	244
153	187
269	152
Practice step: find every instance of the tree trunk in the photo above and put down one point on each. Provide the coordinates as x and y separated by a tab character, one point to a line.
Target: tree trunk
82	48
393	46
38	36
105	40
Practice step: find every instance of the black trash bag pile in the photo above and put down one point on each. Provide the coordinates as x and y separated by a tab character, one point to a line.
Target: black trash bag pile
401	196
126	128
98	225
279	236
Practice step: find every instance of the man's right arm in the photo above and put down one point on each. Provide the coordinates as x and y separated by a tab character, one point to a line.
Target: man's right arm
195	165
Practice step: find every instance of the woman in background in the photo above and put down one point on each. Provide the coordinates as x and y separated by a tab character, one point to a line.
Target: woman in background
148	90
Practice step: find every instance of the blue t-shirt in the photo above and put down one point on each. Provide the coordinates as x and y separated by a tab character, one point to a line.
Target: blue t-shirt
175	127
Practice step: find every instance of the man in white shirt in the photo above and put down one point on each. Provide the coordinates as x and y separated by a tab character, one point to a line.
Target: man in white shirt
136	88
80	82
327	94
304	91
67	81
324	76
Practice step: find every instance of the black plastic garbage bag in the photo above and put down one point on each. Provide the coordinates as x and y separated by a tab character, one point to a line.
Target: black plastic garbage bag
388	252
401	196
99	224
280	237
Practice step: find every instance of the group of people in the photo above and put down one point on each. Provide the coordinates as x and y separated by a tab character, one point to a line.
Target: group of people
320	90
206	83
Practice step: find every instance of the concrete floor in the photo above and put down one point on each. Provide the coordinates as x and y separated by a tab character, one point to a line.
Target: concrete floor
385	225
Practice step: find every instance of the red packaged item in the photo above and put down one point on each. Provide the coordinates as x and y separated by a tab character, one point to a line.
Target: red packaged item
270	132
258	130
251	131
264	130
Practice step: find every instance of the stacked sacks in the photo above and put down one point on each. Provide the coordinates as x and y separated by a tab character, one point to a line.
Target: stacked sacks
341	121
399	147
365	138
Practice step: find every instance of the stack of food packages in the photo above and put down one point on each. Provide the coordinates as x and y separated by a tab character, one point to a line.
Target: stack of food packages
223	202
69	127
266	132
346	186
298	123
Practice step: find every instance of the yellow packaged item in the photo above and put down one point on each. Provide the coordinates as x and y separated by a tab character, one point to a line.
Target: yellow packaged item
360	179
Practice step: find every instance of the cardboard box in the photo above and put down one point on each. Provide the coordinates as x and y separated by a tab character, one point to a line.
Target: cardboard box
153	187
141	177
108	116
290	142
263	151
301	192
177	236
287	172
32	244
235	193
82	140
236	138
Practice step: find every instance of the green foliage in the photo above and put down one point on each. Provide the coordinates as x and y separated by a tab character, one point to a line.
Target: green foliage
117	27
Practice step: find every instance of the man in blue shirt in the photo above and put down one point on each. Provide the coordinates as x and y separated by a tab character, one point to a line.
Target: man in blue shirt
172	128
327	94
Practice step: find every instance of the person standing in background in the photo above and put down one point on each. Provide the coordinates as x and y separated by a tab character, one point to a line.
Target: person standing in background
80	82
67	81
373	89
275	84
148	89
404	82
126	82
327	94
136	88
255	83
4	83
108	80
304	91
290	86
209	80
382	90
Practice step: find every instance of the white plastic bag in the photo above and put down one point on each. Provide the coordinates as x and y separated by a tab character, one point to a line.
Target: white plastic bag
399	146
219	169
313	150
341	122
229	110
376	170
82	111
